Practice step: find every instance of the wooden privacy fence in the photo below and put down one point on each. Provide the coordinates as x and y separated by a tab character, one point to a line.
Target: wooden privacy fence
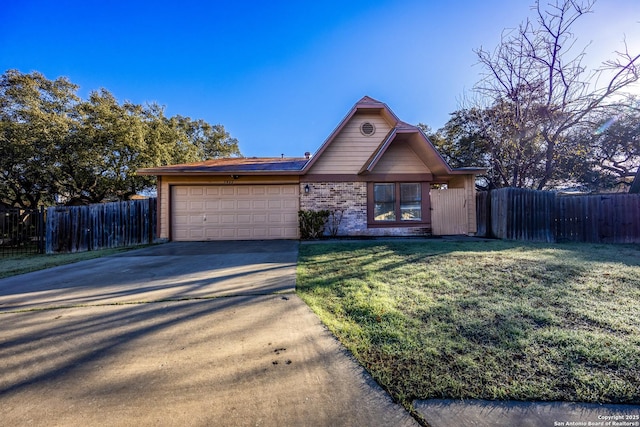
100	226
520	214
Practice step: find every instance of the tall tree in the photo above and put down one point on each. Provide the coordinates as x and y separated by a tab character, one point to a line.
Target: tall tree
36	115
612	156
53	145
212	141
543	91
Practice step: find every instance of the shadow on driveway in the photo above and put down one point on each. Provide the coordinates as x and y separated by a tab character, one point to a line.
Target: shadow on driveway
240	349
164	272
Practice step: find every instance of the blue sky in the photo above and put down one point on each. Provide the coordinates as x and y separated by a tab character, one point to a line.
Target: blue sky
280	75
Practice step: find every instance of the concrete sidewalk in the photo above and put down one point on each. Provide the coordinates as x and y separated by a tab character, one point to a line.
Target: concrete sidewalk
143	342
483	413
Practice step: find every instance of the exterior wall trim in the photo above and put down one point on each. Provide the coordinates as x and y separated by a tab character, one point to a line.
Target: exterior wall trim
369	177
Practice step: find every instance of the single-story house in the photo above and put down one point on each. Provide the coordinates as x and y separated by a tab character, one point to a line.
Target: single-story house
381	174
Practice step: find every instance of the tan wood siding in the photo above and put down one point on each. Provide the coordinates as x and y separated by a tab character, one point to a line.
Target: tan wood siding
468	183
400	158
247	212
350	149
449	212
470	188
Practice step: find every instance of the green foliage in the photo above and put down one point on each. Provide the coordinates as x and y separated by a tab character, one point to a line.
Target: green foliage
598	155
53	144
609	156
483	320
312	223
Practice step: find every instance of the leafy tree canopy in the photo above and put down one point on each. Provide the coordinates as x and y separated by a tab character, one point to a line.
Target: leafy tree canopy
54	145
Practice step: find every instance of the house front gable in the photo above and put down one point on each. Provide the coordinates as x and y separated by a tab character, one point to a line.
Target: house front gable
400	158
374	173
351	145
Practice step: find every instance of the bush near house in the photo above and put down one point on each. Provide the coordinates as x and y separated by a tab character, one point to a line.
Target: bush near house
312	223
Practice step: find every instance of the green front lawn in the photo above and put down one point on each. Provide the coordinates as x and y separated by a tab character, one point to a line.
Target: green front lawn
486	320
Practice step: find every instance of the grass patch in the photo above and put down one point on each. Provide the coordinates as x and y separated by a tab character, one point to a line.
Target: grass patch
483	320
13	265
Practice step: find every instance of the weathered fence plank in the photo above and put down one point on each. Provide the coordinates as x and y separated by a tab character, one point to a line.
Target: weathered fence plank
100	226
520	214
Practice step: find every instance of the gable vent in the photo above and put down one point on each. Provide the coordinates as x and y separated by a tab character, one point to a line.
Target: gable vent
367	129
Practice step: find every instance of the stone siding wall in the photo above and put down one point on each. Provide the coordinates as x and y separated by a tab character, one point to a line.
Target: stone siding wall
351	199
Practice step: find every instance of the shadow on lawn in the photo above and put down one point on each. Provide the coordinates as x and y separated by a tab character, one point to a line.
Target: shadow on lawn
492	320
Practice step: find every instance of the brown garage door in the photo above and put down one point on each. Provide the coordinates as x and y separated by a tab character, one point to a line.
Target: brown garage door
234	212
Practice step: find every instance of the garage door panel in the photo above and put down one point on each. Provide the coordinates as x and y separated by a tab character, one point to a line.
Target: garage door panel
212	233
242	233
275	218
212	218
234	212
290	218
181	206
212	205
291	232
228	205
260	233
227	219
181	219
195	205
258	204
244	204
290	190
275	233
244	218
228	233
195	220
180	235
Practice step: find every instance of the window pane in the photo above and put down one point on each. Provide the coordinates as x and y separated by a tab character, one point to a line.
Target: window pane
384	193
384	199
411	202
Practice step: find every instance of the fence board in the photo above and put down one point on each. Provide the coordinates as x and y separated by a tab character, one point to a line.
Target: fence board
100	226
520	214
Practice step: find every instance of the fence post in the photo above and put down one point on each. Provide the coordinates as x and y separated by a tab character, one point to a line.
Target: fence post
41	230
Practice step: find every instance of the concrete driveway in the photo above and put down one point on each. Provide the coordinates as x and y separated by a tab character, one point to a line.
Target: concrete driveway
192	334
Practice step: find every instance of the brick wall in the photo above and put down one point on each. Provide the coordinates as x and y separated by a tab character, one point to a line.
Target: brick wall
351	198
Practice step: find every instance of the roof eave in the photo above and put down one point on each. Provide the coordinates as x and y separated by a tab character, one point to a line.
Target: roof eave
187	172
468	171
